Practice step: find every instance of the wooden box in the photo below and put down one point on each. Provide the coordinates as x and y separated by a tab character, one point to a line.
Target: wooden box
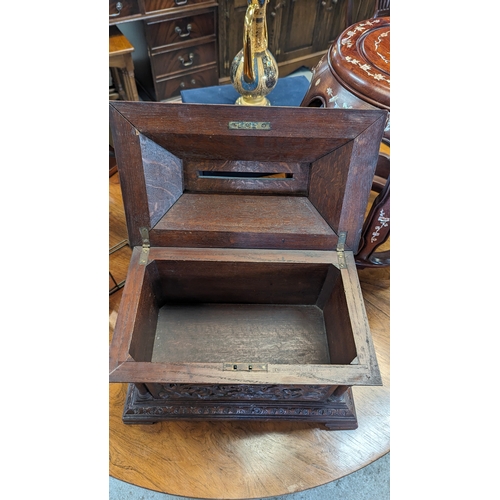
242	298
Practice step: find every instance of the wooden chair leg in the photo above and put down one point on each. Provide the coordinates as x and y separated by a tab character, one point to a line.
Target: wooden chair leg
129	81
117	80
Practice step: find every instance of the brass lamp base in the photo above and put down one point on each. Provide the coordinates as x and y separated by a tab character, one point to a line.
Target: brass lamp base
252	101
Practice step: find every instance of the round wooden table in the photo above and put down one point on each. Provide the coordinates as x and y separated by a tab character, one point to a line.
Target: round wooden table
236	460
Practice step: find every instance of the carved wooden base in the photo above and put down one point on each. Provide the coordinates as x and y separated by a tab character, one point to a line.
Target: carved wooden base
336	412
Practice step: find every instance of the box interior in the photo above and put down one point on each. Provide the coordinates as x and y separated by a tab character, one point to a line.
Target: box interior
242	312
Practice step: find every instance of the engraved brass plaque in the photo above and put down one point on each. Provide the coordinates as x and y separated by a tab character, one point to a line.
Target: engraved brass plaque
249	125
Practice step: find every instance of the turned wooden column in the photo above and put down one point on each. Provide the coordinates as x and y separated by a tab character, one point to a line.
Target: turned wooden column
121	65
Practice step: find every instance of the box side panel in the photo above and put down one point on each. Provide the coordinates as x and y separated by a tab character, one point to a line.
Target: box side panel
141	345
163	178
361	172
328	179
339	332
128	158
241	282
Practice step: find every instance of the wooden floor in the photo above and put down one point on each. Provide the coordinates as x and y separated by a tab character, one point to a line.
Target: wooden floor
246	460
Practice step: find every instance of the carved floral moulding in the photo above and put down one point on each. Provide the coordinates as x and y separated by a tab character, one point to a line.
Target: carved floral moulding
335	411
239	392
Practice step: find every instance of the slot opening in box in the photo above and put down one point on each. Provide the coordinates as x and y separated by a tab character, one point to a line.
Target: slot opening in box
210	174
243	312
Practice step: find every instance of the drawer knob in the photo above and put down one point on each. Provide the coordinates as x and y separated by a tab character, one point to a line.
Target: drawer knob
119	7
181	34
187	63
183	85
181	2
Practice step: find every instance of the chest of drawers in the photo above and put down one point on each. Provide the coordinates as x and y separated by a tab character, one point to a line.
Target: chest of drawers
181	38
183	48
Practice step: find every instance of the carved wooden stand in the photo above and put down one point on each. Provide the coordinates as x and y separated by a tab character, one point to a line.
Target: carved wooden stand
355	74
263	403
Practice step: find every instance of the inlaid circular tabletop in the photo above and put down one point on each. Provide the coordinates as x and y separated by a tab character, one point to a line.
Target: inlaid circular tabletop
361	59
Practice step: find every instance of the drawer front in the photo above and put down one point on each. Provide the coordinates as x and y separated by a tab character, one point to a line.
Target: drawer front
151	6
182	29
122	9
171	87
167	63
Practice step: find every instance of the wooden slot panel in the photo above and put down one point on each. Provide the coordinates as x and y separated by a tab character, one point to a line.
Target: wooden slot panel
343	146
151	6
171	87
279	177
187	58
241	333
250	221
162	33
240	282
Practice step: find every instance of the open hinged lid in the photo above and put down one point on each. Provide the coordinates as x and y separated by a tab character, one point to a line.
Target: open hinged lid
244	223
224	176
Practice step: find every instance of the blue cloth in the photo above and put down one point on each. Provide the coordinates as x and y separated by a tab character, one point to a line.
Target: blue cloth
289	91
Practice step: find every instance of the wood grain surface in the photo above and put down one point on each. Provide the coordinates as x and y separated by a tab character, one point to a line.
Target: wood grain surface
236	460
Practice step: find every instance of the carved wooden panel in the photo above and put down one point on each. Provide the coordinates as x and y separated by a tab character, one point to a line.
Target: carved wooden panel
337	412
241	392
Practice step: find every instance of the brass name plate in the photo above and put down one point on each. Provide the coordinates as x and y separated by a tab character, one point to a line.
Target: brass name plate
246	367
249	125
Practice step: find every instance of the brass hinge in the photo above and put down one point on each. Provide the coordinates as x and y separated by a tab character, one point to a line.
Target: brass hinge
145	245
340	249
